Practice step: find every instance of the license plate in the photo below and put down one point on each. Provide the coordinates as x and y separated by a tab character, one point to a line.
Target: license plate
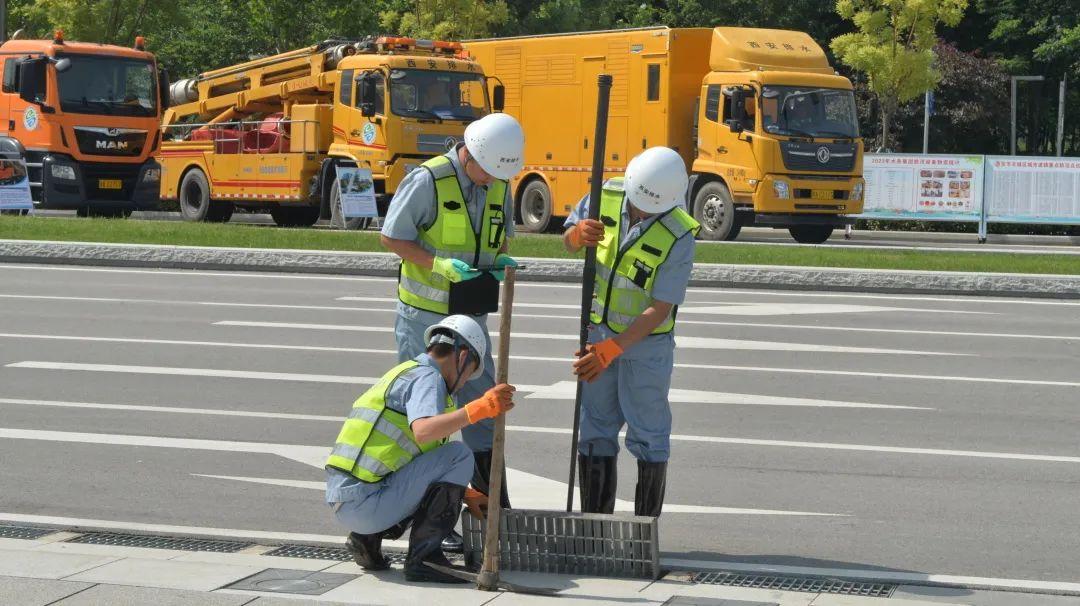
821	194
110	184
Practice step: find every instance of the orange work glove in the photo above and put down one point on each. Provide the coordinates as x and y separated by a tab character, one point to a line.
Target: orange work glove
589	232
599	357
477	503
494	402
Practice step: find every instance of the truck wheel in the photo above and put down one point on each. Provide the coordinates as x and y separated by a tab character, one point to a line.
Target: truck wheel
535	207
195	196
715	210
295	216
337	217
811	234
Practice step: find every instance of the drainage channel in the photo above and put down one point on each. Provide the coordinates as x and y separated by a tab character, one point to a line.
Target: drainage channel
24	532
794	583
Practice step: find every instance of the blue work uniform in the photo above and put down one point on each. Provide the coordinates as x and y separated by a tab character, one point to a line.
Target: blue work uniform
368	508
411	211
634	389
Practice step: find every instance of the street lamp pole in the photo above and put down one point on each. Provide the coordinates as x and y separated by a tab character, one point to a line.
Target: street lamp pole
1061	116
1012	103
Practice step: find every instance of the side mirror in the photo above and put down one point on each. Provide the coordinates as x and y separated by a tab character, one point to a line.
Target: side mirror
32	80
368	94
163	89
735	124
498	97
63	65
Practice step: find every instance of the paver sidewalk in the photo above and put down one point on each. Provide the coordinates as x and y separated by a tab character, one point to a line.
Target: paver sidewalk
48	570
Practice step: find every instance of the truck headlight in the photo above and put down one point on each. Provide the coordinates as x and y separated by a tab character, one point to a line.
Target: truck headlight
151	175
857	191
781	189
62	171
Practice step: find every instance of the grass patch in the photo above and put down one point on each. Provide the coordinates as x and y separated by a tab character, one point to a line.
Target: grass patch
261	236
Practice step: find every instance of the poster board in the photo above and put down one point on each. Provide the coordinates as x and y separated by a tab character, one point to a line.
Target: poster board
14	186
357	190
923	187
1031	189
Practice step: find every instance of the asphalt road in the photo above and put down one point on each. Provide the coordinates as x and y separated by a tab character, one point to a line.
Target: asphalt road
914	433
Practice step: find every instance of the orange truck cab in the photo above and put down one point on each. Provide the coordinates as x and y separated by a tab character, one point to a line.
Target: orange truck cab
85	118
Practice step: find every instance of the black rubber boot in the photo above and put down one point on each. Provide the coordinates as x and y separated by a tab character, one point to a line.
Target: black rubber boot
481	479
649	495
598	481
433	520
366	550
394	532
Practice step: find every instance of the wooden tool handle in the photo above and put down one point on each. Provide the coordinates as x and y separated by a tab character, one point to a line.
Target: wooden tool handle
489	573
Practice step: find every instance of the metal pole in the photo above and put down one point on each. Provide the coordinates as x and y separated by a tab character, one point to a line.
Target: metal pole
589	278
1012	119
926	123
1061	116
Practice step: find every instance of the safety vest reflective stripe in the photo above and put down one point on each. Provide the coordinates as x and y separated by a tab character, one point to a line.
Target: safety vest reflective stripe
453	236
376	440
625	275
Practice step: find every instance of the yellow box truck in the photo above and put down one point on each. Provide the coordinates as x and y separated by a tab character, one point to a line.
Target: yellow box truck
766	126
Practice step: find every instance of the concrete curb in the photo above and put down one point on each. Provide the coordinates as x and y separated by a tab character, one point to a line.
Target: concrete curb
550	270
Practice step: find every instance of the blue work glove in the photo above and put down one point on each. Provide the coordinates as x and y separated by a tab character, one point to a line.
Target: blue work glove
502	261
454	270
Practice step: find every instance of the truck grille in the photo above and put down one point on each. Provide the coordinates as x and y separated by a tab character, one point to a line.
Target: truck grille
100	141
799	155
94	173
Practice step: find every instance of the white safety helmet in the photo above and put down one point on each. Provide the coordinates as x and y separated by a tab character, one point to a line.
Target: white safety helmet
656	180
463	330
497	143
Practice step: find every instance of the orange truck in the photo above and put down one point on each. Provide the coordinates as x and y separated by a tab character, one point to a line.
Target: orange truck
767	129
85	119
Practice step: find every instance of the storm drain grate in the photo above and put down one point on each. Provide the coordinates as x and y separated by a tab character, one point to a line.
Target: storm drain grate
803	584
308	552
23	532
570	543
152	542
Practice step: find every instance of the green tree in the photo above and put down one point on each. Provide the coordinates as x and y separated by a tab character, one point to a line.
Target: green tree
445	19
894	45
104	21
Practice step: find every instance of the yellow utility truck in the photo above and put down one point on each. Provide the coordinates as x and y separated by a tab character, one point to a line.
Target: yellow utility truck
268	134
767	128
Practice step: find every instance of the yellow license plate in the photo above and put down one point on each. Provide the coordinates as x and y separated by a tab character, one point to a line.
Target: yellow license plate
110	184
821	194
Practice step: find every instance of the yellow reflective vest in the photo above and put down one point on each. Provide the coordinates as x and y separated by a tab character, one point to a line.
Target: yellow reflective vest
451	236
625	278
376	441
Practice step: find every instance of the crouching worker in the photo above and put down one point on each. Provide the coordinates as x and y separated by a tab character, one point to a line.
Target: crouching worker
392	464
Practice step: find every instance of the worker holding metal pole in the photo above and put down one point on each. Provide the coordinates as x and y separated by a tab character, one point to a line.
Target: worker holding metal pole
451	221
645	250
392	463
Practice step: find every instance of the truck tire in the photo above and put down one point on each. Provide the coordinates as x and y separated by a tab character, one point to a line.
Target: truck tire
715	210
295	216
535	208
337	217
195	196
811	234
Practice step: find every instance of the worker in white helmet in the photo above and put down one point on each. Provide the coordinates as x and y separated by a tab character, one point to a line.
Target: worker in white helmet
451	221
645	251
392	464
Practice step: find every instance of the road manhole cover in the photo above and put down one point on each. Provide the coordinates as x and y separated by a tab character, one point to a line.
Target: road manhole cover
300	582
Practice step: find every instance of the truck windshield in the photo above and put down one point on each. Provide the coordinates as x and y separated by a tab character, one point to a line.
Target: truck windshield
108	85
814	112
416	93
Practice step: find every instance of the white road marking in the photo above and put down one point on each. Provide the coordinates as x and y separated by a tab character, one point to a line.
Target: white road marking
199	531
996	335
316	455
6	335
567	390
280	376
790	309
178	302
888	576
201	273
537	492
681	341
257	414
854	295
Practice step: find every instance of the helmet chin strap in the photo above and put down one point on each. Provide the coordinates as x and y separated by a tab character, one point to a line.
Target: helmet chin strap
461	365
